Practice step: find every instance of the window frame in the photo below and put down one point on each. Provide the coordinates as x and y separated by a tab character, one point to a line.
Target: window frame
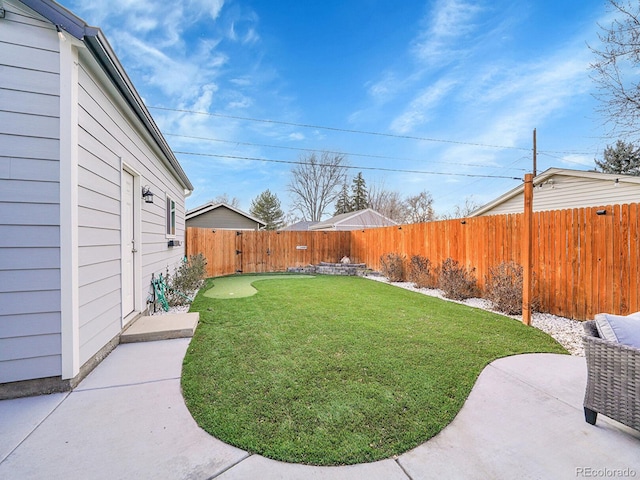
170	217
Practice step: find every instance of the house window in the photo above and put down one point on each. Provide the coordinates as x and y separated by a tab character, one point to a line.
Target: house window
171	217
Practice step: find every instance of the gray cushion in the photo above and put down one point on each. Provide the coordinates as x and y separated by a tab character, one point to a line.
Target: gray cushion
619	328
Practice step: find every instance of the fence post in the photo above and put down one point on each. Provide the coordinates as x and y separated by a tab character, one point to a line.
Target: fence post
527	245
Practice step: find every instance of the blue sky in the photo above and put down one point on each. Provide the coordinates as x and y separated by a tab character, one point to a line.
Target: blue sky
445	82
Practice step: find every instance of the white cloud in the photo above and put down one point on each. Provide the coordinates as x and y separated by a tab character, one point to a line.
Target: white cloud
420	109
296	136
445	25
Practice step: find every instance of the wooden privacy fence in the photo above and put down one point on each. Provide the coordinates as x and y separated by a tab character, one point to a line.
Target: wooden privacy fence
249	251
583	263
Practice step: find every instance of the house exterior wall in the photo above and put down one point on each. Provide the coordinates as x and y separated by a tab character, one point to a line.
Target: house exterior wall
65	127
29	197
223	218
111	139
571	192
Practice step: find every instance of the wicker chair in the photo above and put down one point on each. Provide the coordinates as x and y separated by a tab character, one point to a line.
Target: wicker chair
613	379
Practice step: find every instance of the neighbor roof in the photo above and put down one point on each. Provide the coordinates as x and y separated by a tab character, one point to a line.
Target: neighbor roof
99	47
546	176
302	225
349	220
207	207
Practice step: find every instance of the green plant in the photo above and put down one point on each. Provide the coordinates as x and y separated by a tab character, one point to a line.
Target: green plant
456	281
420	272
339	370
392	267
186	280
504	288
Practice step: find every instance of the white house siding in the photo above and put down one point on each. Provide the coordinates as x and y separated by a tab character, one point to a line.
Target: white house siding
29	197
571	192
110	137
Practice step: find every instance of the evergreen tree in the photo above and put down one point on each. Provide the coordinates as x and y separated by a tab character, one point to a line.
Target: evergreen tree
343	203
359	197
266	207
623	158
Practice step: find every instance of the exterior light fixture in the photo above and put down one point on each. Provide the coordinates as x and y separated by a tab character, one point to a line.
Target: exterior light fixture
616	183
147	195
601	212
60	34
2	10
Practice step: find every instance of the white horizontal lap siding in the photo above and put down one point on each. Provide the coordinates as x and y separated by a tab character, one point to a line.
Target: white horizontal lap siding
568	192
109	138
29	198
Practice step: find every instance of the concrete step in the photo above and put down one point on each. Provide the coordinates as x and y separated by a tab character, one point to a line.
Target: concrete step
161	327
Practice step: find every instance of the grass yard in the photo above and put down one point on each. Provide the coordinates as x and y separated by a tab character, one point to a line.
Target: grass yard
339	370
242	285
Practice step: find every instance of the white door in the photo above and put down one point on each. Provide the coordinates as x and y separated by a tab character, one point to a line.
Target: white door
129	244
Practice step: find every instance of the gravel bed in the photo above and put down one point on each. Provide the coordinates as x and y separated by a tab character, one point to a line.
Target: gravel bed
566	331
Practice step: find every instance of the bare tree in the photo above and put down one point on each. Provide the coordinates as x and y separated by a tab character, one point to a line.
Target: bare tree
420	208
224	198
615	70
461	211
315	183
387	202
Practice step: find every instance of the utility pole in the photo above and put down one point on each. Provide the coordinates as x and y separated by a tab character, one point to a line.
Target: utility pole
527	250
535	154
527	239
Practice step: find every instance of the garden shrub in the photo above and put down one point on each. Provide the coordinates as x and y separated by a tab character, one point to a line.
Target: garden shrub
392	267
186	279
504	288
456	281
420	272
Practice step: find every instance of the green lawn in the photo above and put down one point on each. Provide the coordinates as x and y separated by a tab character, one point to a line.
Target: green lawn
339	370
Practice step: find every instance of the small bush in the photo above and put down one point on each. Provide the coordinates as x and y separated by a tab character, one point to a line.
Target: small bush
420	272
504	288
392	267
455	281
186	280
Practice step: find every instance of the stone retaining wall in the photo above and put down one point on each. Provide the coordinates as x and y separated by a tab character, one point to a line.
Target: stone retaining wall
325	268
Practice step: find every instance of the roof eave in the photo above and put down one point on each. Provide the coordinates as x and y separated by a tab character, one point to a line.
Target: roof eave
106	57
101	49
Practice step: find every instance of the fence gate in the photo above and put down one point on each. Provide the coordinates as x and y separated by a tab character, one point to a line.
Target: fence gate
239	264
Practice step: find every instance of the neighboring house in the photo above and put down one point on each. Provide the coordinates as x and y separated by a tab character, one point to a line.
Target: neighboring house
559	189
301	226
357	220
78	242
223	217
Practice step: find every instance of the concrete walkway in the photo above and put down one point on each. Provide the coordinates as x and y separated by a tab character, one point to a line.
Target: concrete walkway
127	420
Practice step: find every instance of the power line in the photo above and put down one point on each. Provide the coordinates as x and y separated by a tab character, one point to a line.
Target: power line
366	155
337	129
381	169
366	132
455	191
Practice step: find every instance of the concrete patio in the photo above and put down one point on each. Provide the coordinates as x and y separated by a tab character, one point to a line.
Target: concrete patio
127	419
